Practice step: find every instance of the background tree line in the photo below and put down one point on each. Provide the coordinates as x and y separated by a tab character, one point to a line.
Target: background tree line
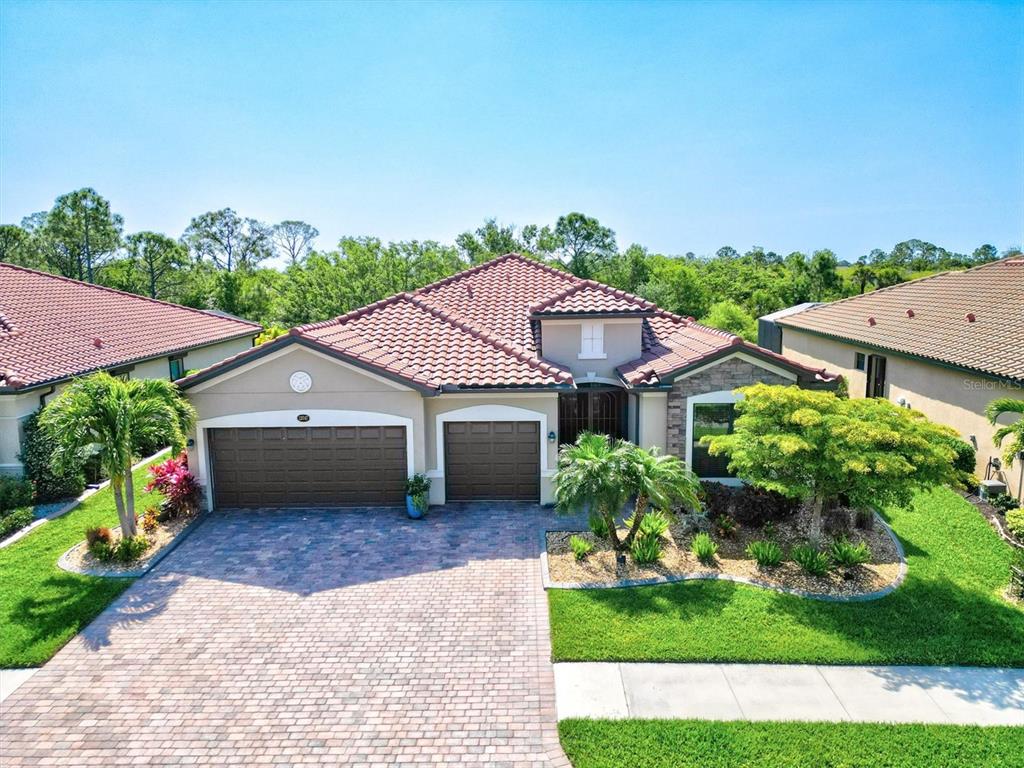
220	262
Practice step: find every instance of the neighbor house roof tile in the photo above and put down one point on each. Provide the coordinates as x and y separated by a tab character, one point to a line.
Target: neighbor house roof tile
972	319
52	327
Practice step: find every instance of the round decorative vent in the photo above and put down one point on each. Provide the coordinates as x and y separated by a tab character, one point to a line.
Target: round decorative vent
300	381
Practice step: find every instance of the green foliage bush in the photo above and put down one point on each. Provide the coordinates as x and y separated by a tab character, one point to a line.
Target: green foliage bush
1015	522
653	524
14	520
37	449
846	554
646	549
15	492
598	525
127	549
964	461
1003	502
811	560
704	547
580	547
767	553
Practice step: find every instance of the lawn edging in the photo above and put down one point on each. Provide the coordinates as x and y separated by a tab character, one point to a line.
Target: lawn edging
61	511
696	576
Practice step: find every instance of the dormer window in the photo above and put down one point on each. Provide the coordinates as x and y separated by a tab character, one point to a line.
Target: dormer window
592	340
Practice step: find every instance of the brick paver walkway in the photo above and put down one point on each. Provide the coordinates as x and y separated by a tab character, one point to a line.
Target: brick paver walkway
311	637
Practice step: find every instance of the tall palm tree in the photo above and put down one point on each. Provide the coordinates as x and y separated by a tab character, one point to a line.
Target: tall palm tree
658	479
107	417
591	474
1015	431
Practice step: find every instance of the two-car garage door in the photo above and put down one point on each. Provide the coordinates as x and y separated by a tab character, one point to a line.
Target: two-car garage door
309	466
367	466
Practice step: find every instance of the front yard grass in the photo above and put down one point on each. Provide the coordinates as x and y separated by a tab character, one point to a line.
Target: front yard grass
948	611
42	606
708	744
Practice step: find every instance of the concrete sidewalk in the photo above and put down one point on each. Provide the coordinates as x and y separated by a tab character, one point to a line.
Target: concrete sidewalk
962	695
11	680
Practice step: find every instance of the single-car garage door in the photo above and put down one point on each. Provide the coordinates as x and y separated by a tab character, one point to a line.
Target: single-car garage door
308	466
492	460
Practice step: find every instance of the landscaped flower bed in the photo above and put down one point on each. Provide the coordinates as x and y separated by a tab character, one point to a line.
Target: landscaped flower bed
79	559
598	567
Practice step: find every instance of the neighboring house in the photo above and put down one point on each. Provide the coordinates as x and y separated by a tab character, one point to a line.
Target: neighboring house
945	345
474	380
53	328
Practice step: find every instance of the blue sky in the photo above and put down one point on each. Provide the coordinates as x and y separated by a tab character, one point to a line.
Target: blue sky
682	126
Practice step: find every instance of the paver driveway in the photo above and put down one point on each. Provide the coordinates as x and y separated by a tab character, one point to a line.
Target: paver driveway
298	637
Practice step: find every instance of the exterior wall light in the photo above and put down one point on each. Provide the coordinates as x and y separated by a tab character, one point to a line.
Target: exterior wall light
552	437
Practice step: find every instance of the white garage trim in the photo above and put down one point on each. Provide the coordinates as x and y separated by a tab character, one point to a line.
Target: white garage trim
489	413
724	396
290	418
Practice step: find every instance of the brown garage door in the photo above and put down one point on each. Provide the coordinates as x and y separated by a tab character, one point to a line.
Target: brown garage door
308	466
492	460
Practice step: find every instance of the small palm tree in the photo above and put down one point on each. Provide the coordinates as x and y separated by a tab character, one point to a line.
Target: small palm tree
107	417
1015	431
591	474
658	479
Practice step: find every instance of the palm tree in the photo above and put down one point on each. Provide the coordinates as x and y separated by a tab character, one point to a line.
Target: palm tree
658	479
591	475
1015	431
107	417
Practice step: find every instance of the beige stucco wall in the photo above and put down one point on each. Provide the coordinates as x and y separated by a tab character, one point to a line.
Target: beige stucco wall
653	416
560	343
263	387
488	407
943	395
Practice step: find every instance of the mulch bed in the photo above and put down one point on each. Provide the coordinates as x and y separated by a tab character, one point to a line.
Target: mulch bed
677	560
995	519
79	559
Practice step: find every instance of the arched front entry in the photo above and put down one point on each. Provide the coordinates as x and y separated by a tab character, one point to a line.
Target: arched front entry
592	408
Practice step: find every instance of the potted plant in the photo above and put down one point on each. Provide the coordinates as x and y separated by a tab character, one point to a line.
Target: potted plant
417	495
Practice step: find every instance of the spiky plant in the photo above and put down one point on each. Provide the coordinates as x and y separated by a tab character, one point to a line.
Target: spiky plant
591	474
104	416
1015	431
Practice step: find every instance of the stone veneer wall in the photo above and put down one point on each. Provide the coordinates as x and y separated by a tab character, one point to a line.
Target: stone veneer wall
729	374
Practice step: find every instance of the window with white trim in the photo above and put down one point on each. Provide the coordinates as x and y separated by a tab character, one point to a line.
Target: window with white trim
592	340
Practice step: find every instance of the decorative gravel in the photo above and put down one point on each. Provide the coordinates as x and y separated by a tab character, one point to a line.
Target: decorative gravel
678	562
79	560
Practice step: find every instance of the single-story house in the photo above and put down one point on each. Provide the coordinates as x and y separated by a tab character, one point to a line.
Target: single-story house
53	328
474	380
945	345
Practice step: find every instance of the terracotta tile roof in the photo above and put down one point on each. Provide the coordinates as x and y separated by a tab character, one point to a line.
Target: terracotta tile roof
478	329
592	298
973	319
405	336
52	327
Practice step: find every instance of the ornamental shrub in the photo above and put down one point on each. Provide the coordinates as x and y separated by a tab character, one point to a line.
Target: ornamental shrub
810	559
765	552
755	506
15	492
1015	522
129	548
580	547
846	554
99	533
598	525
14	520
179	487
704	547
37	448
718	499
653	524
646	549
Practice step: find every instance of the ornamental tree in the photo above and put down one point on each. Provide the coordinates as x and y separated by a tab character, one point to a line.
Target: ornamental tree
817	447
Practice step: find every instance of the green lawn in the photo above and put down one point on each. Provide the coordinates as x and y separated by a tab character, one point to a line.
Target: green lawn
41	606
948	611
703	744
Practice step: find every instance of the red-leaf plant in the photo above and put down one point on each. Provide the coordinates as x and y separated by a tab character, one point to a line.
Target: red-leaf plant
178	486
